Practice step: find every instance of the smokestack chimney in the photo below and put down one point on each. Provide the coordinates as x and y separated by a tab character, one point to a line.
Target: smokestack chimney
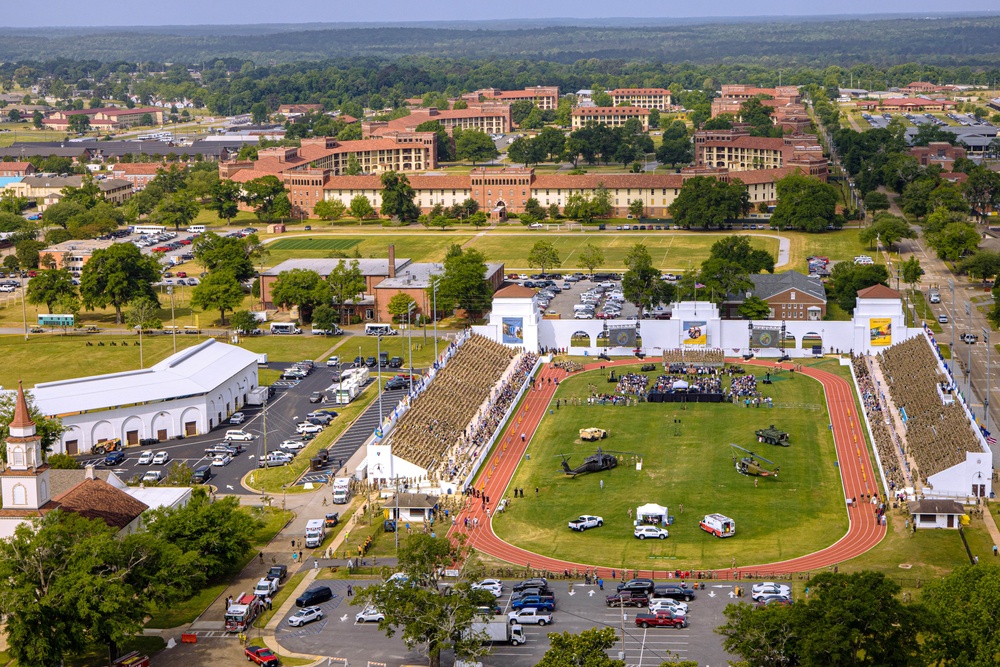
392	260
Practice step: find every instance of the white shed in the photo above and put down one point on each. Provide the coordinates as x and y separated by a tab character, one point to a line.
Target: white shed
936	513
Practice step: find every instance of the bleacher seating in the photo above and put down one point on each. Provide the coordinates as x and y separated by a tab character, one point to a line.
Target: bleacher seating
884	440
440	416
937	435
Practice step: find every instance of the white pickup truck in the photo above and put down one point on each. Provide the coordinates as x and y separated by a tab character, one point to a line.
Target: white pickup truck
586	521
266	588
529	616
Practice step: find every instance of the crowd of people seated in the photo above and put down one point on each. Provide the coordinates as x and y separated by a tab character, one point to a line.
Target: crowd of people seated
459	460
694	357
742	387
885	441
937	435
440	416
632	383
696	384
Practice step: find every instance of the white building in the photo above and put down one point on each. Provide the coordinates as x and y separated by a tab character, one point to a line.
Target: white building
188	393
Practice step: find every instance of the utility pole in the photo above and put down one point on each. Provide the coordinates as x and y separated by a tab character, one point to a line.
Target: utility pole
986	399
378	387
409	340
951	285
622	607
968	369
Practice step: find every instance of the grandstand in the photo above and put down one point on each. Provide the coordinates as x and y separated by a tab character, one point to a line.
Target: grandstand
950	457
449	423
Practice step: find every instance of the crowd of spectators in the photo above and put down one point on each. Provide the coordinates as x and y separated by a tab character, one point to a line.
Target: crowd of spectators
478	434
696	384
938	434
632	383
742	387
440	415
890	452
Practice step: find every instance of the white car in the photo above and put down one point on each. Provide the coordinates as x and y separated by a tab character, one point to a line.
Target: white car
153	476
675	606
222	460
582	315
238	435
160	458
652	532
145	458
292	445
237	418
7	288
333	361
494	586
307	427
757	591
369	614
305	615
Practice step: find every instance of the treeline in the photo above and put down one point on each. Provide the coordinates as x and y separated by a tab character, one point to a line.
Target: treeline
971	41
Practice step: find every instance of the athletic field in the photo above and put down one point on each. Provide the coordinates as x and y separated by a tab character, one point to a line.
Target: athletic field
314	244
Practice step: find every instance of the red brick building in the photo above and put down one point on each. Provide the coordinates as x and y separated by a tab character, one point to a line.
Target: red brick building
16	169
938	152
543	97
485	117
736	150
106	118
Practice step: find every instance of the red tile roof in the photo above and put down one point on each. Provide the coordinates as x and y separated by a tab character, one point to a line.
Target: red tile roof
878	292
513	291
96	499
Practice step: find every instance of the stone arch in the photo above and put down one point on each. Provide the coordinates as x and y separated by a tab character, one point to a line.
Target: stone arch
161	422
102	430
189	416
132	423
581	339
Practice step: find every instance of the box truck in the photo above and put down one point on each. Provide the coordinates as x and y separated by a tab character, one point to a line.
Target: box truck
499	631
341	490
315	533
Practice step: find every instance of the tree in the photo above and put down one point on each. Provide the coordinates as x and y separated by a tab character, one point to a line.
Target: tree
543	255
49	286
79	123
225	199
722	277
217	531
848	278
637	209
27	253
982	191
426	615
353	166
706	202
302	288
243	322
760	637
534	209
224	253
69	581
178	209
346	283
10	263
258	113
219	290
476	146
876	201
324	317
984	265
267	197
398	197
591	257
478	219
887	229
116	275
954	241
62	462
146	119
330	209
805	203
754	308
361	208
587	649
675	151
38	119
463	284
641	283
738	249
961	606
912	271
654	118
399	306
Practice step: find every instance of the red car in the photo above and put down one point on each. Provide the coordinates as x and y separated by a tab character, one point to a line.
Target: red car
185	241
663	619
182	274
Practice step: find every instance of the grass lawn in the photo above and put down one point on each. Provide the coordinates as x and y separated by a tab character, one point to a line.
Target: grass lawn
677	252
25	132
427	246
314	244
97	656
794	514
842	244
279	598
210	218
290	348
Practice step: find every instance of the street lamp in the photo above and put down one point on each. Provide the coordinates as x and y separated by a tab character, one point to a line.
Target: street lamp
435	285
986	399
951	284
968	369
378	345
409	339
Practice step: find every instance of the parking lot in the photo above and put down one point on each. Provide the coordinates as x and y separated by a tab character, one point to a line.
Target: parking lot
287	407
563	302
338	635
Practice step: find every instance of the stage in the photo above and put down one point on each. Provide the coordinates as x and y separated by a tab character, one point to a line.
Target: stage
684	397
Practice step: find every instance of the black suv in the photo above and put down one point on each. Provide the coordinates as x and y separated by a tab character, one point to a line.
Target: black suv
201	475
314	596
538	582
637	586
628	599
370	362
396	362
673	592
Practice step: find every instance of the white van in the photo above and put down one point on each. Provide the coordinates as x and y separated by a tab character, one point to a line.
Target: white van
373	329
583	308
196	229
315	533
279	328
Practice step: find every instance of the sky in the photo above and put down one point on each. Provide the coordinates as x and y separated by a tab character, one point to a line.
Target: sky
202	12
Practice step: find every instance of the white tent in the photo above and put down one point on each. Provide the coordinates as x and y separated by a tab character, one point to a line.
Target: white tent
680	384
652	511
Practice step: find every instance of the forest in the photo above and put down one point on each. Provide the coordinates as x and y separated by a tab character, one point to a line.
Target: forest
843	41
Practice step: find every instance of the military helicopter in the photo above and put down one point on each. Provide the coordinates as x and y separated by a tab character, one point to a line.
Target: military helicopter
751	464
772	436
600	460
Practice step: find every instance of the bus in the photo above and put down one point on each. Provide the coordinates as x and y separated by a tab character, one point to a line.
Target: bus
148	229
64	321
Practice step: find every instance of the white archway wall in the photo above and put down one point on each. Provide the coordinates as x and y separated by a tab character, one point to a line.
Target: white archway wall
133	423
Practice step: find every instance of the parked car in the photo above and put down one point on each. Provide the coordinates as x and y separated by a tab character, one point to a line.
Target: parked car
314	596
305	615
536	582
369	614
628	599
145	458
653	532
757	591
637	586
306	427
316	397
529	616
237	418
152	477
673	592
494	586
114	458
201	475
292	445
277	572
161	458
222	460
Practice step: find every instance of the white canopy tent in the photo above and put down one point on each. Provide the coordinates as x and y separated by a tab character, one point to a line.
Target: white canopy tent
651	513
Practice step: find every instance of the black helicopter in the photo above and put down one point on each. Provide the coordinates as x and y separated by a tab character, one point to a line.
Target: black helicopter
752	464
596	462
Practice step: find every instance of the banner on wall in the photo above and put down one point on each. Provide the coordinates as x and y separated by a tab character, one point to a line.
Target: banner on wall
695	333
881	331
764	337
624	337
513	330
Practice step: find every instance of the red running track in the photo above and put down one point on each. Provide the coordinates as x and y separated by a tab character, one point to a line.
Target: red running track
857	476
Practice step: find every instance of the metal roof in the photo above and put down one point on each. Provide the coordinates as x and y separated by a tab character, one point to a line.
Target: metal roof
191	372
369	267
767	285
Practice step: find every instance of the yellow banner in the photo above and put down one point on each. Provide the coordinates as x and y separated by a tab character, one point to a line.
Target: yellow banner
881	331
695	333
